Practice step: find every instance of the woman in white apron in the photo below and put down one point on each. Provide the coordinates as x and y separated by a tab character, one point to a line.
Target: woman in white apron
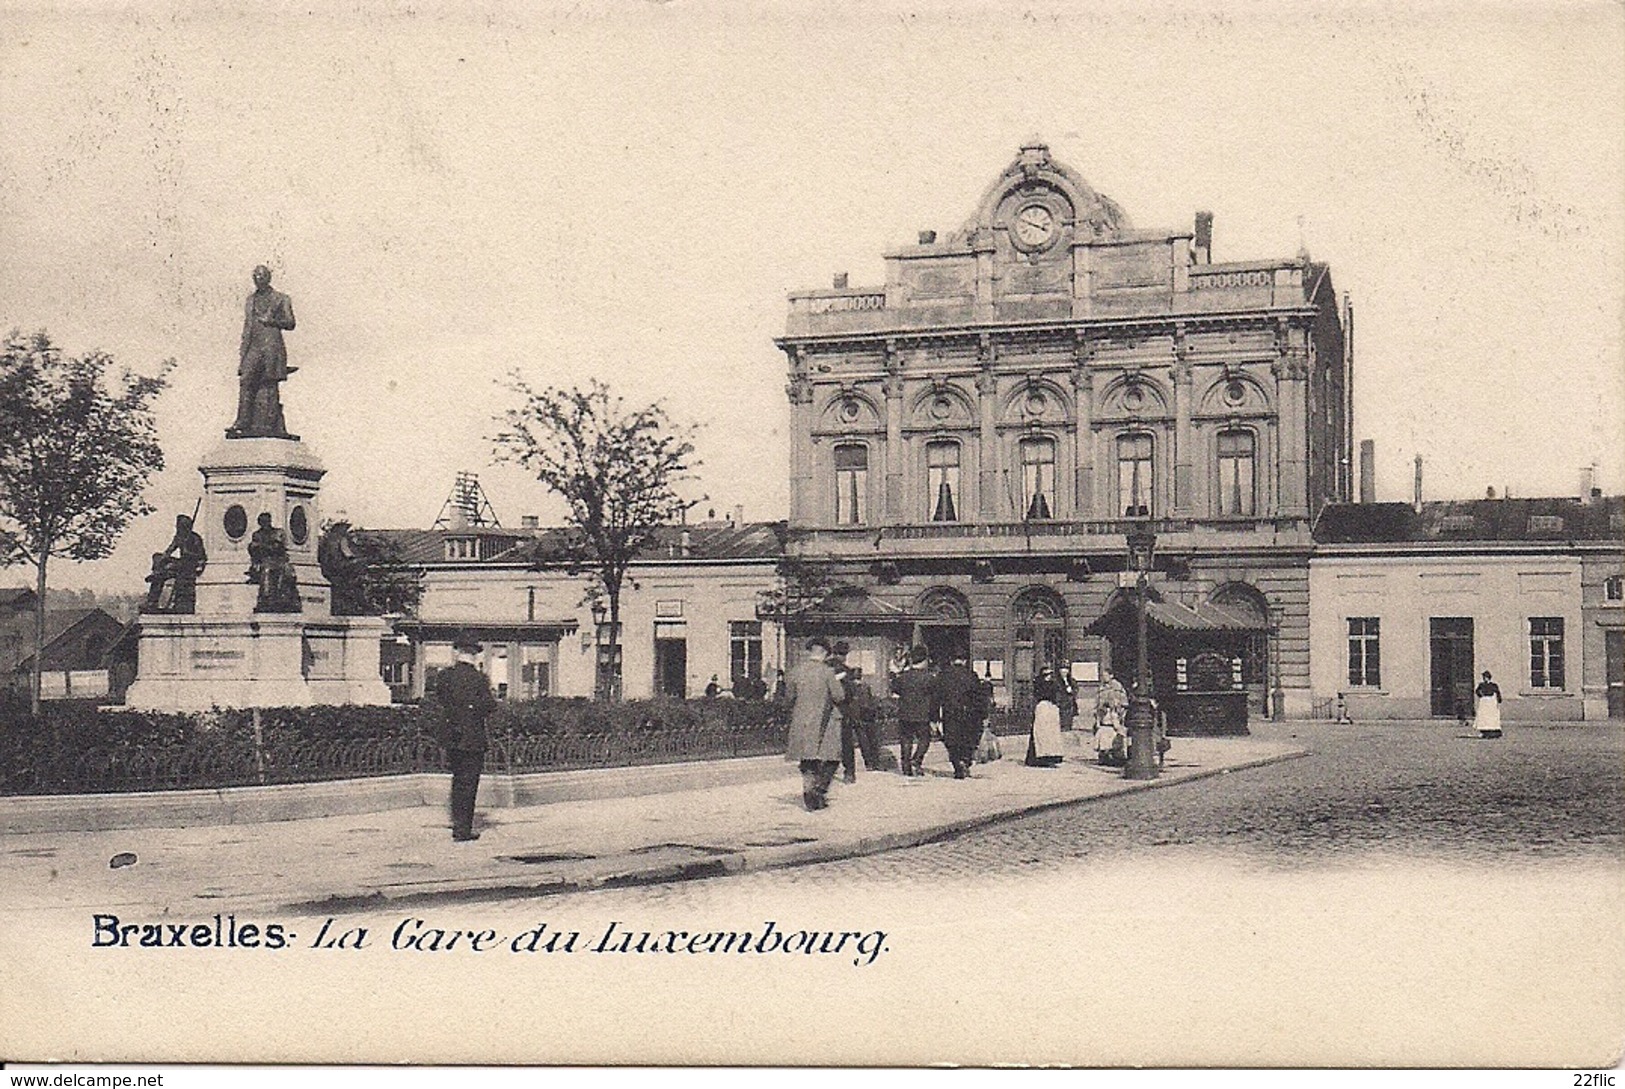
1111	701
1487	716
1044	742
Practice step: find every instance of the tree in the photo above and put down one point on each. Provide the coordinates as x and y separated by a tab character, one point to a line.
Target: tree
617	470
78	444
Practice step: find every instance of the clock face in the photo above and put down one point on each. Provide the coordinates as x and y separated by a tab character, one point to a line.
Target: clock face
1034	225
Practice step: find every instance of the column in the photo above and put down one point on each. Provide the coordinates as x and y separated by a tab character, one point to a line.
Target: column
800	393
894	435
987	457
1184	500
1083	400
1290	370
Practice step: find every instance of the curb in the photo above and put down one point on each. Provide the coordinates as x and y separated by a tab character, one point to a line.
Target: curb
747	861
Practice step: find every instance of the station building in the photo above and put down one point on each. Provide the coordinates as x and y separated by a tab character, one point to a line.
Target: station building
972	439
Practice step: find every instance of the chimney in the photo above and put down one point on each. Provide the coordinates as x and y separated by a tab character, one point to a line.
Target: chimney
1368	471
1417	501
1588	479
685	541
840	281
1204	238
739	515
529	521
928	238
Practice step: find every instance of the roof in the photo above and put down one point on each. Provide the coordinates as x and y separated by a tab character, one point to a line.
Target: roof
1504	520
1175	616
63	630
705	541
13	597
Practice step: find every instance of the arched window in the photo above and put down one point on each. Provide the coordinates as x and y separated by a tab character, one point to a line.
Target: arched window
1038	479
851	484
1236	472
1134	475
942	480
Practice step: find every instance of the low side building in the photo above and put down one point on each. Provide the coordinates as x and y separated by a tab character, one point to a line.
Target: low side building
689	611
1409	605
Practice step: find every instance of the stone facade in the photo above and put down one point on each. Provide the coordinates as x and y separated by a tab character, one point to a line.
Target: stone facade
989	420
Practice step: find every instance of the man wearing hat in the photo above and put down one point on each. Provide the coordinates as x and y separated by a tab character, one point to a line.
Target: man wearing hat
916	707
815	722
465	701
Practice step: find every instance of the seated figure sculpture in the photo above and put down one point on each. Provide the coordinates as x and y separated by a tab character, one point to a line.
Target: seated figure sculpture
178	567
270	567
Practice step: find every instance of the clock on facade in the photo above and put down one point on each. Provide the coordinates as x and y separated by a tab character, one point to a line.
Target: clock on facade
1034	226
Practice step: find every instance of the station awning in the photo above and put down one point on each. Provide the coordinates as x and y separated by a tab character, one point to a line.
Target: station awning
1173	616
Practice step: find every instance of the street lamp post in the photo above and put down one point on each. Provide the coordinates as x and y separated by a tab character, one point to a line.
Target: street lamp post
1142	717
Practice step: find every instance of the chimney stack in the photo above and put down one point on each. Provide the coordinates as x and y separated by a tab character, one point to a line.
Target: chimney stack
1204	238
1368	471
529	521
840	281
685	541
739	515
1588	479
928	238
1417	501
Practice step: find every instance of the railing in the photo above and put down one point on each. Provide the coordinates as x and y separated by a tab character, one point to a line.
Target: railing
834	303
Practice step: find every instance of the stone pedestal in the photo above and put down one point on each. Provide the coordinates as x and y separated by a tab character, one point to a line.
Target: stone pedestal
226	654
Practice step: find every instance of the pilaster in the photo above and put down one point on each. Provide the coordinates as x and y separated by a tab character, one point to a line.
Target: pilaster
987	460
1184	498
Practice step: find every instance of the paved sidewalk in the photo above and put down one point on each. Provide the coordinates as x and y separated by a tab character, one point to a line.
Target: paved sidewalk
406	856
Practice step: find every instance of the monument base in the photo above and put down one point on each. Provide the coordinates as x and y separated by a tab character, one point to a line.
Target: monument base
194	663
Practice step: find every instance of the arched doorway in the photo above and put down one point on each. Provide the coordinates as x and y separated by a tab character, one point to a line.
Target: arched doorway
1247	601
1037	634
943	626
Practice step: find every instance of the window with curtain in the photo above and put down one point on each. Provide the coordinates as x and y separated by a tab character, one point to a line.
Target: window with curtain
942	480
1134	475
1546	652
1038	478
851	484
1236	461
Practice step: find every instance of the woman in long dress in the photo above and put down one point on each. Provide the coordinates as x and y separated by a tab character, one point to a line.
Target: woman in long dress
1044	740
1488	712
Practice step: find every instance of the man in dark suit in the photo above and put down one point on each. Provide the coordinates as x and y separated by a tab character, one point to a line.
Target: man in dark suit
916	707
465	701
963	703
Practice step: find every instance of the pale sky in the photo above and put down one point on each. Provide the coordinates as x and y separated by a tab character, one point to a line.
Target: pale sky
631	191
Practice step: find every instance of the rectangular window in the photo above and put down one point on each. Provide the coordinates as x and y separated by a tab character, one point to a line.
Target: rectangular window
745	649
1038	479
535	670
1365	655
942	480
1236	462
1613	588
851	484
1546	652
1134	475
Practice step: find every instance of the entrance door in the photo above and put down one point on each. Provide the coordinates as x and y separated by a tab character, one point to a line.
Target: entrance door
1614	642
671	668
946	641
1451	689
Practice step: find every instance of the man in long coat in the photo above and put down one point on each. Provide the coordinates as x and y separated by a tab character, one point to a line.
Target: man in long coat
465	701
963	705
915	690
262	361
814	692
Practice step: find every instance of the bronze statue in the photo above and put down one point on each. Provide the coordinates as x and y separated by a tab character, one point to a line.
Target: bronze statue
178	566
263	362
269	566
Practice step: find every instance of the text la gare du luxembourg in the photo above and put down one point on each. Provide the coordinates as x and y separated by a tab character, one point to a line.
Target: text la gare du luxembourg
416	935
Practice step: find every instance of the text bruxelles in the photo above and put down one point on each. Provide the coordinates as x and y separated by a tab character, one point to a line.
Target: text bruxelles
416	935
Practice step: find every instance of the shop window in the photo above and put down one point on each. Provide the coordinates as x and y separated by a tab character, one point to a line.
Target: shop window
1134	475
1365	653
1613	588
1038	479
1236	472
851	484
1546	652
942	480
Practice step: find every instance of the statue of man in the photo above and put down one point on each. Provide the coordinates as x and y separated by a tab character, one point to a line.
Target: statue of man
270	567
179	565
263	363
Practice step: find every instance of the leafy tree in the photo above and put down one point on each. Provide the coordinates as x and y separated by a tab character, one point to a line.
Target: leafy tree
78	444
617	470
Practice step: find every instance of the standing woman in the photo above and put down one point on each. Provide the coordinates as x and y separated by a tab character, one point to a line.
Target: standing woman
1488	717
1044	740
